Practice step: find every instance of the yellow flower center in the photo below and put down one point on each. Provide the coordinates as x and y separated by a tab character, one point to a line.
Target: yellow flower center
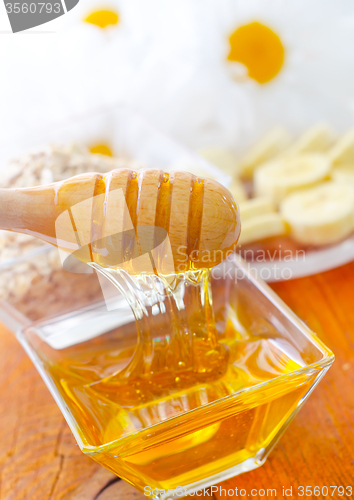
259	49
101	149
102	18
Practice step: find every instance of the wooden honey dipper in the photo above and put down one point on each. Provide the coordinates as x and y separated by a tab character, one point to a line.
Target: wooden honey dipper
89	213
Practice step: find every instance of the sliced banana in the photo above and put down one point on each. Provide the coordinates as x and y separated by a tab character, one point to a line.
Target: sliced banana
317	139
320	215
275	141
280	177
237	190
255	207
260	227
344	174
343	150
225	159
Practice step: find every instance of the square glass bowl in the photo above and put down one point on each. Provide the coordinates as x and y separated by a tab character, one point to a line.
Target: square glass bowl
188	447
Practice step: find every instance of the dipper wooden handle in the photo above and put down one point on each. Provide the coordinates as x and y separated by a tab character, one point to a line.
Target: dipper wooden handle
128	214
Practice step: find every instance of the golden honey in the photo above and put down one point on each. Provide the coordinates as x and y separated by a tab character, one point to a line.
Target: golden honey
159	412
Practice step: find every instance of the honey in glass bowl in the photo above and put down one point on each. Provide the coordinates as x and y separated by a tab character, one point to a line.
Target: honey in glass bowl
181	426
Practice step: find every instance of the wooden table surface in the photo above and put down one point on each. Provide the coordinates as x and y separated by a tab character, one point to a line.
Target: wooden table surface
40	460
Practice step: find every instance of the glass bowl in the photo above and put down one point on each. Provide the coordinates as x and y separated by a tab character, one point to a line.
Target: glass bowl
194	445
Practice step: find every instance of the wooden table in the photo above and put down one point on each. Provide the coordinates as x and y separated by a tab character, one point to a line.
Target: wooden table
40	460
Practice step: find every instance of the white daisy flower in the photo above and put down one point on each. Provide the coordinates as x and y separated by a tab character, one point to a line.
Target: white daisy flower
297	55
211	73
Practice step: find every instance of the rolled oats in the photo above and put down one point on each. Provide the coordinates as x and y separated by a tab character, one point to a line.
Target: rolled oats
40	287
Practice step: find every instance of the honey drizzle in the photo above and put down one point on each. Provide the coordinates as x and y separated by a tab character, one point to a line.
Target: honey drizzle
163	208
132	196
195	217
132	202
97	212
163	202
178	343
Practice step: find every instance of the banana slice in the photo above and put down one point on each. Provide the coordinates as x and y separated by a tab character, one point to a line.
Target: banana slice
320	215
237	190
317	139
344	174
260	227
223	158
256	206
275	141
280	177
343	150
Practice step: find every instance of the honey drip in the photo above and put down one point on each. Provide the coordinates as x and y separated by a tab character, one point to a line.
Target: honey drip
178	345
195	217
